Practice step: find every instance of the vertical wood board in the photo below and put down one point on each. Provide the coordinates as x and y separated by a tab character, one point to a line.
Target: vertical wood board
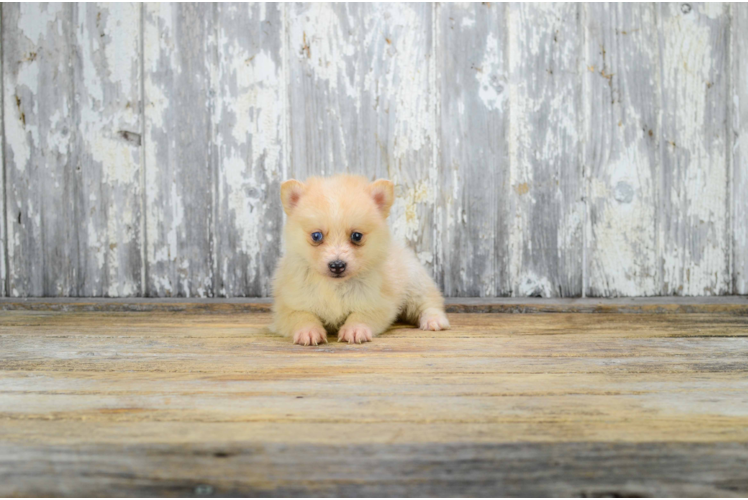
40	156
179	172
546	231
108	148
248	143
622	84
694	209
71	100
473	217
3	233
739	228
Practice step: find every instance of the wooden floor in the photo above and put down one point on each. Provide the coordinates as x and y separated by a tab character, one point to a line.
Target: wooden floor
193	403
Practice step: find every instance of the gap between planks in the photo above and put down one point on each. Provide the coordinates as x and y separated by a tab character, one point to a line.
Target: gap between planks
649	305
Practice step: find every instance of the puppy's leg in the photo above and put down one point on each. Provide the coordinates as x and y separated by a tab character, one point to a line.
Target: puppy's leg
363	326
433	319
425	305
304	327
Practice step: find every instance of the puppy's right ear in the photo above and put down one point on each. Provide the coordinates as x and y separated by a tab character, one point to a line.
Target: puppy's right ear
291	192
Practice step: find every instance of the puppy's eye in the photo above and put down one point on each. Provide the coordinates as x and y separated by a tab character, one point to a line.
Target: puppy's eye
356	237
317	237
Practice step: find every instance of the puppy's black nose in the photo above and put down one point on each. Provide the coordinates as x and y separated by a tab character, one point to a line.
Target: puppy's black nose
337	266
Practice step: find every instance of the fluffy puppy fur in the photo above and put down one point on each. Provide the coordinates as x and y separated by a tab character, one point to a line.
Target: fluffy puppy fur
341	271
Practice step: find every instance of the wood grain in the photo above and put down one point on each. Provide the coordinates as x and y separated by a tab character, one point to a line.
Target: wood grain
395	470
472	210
3	231
362	101
40	156
739	229
249	150
539	150
180	177
546	233
106	80
694	209
622	85
172	403
72	97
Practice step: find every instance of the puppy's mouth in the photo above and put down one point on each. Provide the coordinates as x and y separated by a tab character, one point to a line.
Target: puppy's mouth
342	276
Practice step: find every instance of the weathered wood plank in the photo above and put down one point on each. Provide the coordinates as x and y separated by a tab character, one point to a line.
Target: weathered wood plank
249	126
368	95
739	229
473	220
652	348
179	172
362	101
3	232
571	378
72	99
391	470
521	405
621	105
694	209
108	157
546	233
40	157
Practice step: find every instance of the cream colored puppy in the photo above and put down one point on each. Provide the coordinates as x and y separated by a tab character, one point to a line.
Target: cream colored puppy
341	270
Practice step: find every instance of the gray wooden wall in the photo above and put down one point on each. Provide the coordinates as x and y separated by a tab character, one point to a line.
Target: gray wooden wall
545	150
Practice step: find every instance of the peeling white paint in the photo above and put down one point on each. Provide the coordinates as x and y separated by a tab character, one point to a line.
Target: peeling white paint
740	147
531	285
108	38
414	128
622	153
34	19
713	10
256	92
623	237
406	74
489	73
467	22
17	108
375	66
697	155
58	139
3	231
123	26
318	38
249	124
406	222
161	237
241	207
543	139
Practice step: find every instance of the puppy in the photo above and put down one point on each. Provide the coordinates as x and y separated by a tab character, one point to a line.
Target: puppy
341	271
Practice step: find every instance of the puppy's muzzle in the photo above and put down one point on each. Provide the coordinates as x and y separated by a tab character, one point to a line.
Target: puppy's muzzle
337	267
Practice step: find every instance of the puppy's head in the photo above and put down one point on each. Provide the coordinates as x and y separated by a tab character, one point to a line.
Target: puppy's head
338	225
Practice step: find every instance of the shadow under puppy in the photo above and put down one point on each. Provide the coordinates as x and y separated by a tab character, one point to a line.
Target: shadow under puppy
341	270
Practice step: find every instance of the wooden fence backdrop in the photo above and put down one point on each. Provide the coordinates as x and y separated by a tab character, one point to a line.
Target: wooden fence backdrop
542	150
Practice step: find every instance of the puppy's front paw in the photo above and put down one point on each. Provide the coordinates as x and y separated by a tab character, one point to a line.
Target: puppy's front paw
433	319
310	335
356	332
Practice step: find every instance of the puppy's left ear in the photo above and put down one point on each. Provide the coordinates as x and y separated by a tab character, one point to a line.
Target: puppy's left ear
383	193
291	192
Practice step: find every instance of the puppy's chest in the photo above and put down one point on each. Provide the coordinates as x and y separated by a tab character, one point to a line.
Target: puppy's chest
333	304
